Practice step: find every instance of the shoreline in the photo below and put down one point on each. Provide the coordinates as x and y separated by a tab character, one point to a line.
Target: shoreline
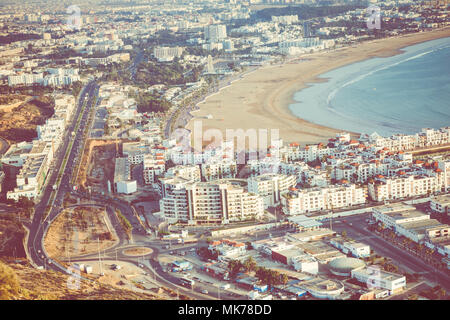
262	97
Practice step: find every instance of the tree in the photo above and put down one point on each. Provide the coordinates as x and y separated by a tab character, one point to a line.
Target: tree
284	279
442	293
250	264
234	267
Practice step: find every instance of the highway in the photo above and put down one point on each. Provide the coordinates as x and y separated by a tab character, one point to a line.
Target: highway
38	226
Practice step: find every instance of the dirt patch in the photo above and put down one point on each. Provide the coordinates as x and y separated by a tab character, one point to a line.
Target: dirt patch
97	164
141	251
43	285
19	123
11	101
78	231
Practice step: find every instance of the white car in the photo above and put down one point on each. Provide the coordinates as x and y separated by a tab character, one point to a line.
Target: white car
205	291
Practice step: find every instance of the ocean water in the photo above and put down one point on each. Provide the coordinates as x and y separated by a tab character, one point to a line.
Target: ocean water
399	94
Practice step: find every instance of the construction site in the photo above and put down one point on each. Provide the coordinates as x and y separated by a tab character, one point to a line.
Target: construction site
96	167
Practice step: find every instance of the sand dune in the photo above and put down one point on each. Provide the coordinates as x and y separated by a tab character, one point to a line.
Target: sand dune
260	100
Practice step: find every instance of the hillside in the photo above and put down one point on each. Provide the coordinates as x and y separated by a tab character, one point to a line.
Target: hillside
19	123
11	237
22	282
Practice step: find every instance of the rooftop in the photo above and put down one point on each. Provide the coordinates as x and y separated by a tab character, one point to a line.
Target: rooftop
423	225
346	264
443	200
378	272
407	214
121	170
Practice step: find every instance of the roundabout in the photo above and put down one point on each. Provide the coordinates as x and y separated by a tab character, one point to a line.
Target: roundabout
137	251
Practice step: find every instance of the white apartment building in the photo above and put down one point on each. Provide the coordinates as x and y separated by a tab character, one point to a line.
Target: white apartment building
213	170
293	152
285	19
64	106
317	199
165	54
360	172
403	186
444	166
60	80
188	172
31	177
52	130
174	202
215	33
207	203
153	166
26	79
400	142
271	186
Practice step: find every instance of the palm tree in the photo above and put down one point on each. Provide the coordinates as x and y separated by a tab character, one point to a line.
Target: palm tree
442	293
284	279
249	264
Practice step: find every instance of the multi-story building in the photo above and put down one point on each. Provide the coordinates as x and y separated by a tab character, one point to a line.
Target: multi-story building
188	172
441	204
317	199
164	54
213	170
26	79
285	19
215	33
135	152
31	177
122	177
402	186
271	186
207	202
444	167
154	166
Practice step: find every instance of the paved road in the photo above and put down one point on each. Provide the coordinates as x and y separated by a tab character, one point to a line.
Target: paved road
37	229
404	259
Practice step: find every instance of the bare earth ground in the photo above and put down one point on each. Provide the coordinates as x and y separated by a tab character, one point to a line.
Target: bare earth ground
18	122
42	285
137	251
75	232
9	102
93	160
260	100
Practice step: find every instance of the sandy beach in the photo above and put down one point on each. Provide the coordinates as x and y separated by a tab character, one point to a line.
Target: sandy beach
260	100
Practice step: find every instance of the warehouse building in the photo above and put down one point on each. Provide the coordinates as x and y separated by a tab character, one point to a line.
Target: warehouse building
374	277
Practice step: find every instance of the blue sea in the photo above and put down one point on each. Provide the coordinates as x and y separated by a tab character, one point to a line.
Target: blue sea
398	94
